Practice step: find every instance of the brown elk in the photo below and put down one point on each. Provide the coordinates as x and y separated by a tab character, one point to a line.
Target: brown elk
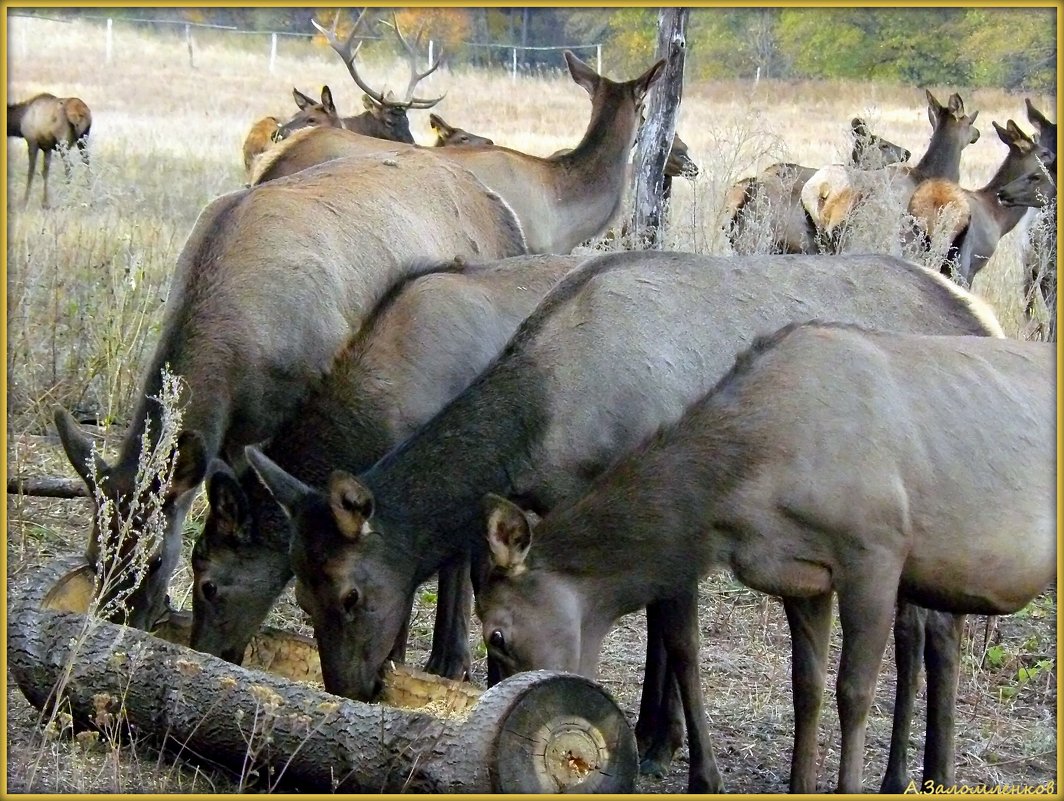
385	116
972	221
270	283
47	123
765	213
560	201
831	196
830	461
259	139
449	136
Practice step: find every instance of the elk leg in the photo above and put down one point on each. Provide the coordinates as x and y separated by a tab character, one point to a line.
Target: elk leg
450	656
866	610
398	652
942	659
45	168
659	731
681	636
908	653
810	624
32	150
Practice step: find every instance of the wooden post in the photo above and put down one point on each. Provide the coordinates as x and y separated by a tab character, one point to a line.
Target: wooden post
655	140
598	59
273	51
110	39
188	42
513	67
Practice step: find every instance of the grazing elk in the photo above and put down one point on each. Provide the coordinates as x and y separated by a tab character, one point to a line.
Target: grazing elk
259	139
271	282
765	212
47	123
831	198
972	221
830	460
642	334
424	343
560	201
385	116
449	136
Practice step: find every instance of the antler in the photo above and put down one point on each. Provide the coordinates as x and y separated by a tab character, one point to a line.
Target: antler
415	76
343	49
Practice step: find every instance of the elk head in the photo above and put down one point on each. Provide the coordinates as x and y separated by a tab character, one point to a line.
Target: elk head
449	136
311	114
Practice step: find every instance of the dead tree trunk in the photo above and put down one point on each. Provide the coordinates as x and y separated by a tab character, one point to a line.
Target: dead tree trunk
536	732
655	140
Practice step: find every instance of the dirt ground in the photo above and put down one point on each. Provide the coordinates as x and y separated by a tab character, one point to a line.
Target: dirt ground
1006	708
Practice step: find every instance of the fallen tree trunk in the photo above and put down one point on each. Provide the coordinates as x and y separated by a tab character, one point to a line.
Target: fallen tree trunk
47	487
536	732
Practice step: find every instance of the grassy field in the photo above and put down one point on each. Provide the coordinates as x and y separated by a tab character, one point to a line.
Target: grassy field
87	278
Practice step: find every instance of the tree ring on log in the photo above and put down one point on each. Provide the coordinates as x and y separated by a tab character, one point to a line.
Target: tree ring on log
543	747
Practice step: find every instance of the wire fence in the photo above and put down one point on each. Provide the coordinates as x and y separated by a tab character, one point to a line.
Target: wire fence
514	63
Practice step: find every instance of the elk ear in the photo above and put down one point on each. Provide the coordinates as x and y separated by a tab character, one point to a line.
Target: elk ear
301	99
643	83
582	73
78	448
229	504
441	128
327	100
190	466
285	488
351	504
956	105
509	533
934	108
370	104
1036	117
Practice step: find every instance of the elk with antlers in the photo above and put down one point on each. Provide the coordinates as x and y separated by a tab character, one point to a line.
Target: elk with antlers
385	116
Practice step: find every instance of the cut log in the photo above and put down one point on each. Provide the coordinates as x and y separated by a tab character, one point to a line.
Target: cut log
47	487
536	732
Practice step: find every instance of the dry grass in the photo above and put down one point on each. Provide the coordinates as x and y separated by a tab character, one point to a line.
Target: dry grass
86	280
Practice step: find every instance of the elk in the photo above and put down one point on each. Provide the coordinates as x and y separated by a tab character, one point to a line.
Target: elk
259	139
972	221
424	343
829	460
449	136
270	283
47	123
830	197
384	116
631	330
560	201
765	212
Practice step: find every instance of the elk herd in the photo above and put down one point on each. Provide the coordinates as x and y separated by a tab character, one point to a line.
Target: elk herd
395	368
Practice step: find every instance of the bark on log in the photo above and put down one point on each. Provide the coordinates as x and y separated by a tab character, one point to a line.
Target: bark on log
47	487
536	732
655	138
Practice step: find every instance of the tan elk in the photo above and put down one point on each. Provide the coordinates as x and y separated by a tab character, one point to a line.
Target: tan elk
831	197
765	212
385	115
270	283
47	123
560	201
972	221
450	136
830	461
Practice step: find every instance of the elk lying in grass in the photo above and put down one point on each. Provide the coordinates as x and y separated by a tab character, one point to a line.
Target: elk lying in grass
48	123
972	221
526	429
271	282
449	136
424	343
831	198
932	457
385	116
560	201
765	213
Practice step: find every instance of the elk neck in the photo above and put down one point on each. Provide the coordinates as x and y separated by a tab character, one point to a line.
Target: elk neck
942	158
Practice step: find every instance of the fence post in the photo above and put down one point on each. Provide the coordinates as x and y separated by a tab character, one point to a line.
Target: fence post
431	49
513	67
273	50
598	59
188	41
110	39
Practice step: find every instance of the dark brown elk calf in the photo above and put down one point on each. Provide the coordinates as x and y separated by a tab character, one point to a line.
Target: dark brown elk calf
830	460
47	123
